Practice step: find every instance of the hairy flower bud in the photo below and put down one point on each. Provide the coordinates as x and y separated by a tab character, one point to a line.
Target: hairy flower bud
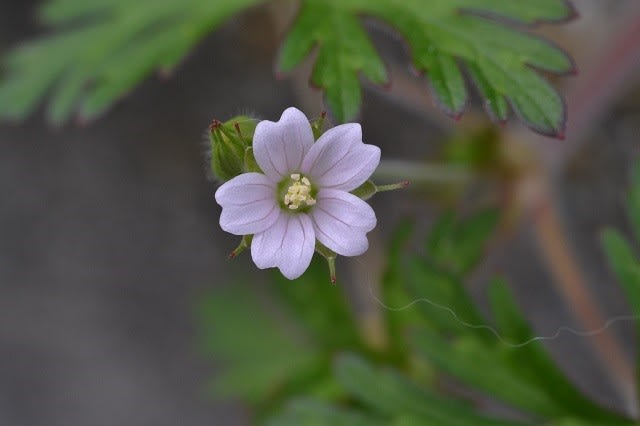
229	143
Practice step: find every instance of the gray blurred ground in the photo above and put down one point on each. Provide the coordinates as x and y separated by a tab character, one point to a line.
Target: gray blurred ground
109	235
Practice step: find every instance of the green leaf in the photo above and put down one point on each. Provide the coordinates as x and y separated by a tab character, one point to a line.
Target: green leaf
623	262
458	245
261	353
344	50
477	365
495	103
621	257
633	204
309	412
442	298
572	421
443	37
395	397
528	360
446	80
101	50
395	294
523	12
320	307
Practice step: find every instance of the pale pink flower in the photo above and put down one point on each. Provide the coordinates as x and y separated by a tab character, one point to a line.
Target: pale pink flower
302	194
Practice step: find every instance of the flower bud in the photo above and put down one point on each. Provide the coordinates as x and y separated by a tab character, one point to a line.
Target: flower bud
229	142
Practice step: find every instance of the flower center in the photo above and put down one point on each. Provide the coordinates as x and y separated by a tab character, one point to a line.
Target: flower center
299	193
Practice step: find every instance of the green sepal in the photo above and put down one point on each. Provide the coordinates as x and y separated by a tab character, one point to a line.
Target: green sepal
369	189
250	163
366	190
244	244
330	256
317	124
229	140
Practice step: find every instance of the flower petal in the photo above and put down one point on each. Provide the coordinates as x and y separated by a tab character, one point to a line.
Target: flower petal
340	160
245	189
288	244
248	204
341	222
279	147
266	245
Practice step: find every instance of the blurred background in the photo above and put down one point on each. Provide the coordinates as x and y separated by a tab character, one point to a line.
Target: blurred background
109	231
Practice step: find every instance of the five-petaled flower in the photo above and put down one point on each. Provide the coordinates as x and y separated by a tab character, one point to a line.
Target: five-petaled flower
302	194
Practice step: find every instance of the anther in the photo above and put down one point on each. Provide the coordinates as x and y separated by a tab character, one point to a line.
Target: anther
299	193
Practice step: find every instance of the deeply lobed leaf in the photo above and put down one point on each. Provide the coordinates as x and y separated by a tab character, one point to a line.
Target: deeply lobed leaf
102	50
445	37
396	398
344	49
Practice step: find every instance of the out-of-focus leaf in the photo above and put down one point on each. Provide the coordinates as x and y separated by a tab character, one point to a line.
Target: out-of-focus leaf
633	204
395	397
395	294
458	245
477	365
443	36
440	297
583	422
623	261
101	50
261	353
318	306
528	361
308	412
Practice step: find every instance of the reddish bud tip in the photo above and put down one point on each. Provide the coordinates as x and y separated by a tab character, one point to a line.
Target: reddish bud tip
237	127
561	136
333	280
215	124
232	255
323	114
405	183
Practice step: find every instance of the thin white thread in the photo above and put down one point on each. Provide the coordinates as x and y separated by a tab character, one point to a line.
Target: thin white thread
493	330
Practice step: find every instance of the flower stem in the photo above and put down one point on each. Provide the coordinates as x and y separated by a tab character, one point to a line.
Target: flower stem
420	173
392	186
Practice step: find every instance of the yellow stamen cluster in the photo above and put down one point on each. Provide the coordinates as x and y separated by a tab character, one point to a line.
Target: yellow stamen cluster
299	193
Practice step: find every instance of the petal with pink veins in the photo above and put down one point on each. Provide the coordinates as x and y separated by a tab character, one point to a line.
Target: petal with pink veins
248	204
288	244
279	147
340	160
341	222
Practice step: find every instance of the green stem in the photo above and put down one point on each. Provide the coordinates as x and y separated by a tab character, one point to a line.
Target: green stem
392	186
421	173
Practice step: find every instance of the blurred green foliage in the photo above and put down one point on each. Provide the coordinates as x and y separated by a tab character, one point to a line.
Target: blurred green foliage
623	257
100	49
441	36
336	378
